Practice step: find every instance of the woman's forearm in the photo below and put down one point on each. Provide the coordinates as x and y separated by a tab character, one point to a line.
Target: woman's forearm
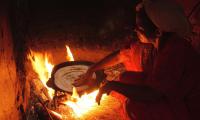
138	92
110	60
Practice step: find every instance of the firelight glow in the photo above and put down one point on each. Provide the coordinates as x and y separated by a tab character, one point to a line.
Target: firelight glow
43	68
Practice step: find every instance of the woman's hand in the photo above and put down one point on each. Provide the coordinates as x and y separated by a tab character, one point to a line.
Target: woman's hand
84	79
105	89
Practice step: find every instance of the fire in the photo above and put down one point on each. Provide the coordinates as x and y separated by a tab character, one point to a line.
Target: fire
83	104
42	66
69	56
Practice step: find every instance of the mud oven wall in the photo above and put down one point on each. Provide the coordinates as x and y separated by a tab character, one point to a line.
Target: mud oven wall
12	82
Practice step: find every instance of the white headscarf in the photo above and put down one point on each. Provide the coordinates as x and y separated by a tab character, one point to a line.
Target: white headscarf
168	16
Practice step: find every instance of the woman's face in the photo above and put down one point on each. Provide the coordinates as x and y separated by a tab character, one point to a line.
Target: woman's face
141	35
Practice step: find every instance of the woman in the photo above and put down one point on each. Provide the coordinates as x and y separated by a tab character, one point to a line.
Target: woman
170	88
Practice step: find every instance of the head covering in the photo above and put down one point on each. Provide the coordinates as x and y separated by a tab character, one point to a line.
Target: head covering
168	16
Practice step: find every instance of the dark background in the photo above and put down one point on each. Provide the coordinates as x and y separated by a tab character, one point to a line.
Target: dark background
84	22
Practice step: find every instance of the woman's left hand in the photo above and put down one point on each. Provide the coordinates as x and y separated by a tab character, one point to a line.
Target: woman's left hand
107	88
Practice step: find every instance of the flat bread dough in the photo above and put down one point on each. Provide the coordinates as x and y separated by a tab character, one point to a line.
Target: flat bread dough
65	76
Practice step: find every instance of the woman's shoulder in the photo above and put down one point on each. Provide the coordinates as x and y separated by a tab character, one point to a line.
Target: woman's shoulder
178	43
180	46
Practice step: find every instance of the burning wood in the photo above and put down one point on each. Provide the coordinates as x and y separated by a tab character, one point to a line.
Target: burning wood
39	89
42	67
55	114
46	114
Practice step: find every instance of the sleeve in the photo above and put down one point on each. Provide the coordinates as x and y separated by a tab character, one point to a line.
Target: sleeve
132	78
132	58
133	61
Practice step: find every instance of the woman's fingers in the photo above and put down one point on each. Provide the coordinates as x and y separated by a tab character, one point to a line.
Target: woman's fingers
80	81
104	89
98	97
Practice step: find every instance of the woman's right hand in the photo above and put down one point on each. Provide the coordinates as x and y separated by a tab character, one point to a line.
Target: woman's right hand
84	79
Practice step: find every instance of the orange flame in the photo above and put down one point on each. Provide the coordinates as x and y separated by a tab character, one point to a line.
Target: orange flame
69	56
83	104
42	66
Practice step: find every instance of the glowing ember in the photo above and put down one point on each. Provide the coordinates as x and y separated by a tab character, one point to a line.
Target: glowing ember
42	66
56	114
83	104
69	56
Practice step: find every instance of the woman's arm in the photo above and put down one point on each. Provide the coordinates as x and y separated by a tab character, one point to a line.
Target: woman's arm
110	60
139	93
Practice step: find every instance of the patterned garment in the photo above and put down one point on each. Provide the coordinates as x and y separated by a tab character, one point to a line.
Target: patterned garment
139	57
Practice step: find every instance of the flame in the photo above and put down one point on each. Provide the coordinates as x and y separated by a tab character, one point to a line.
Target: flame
42	66
69	56
49	66
75	94
83	104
